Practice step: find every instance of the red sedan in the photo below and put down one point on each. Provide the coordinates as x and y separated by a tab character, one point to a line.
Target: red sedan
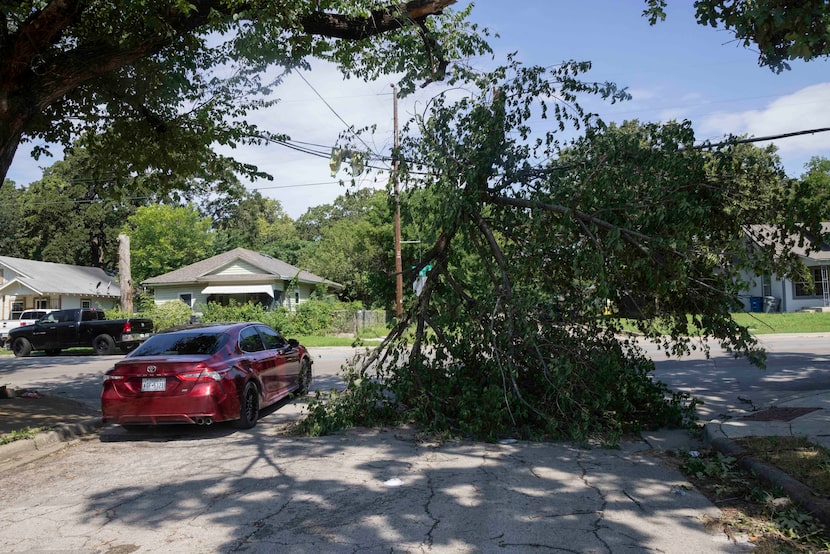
205	373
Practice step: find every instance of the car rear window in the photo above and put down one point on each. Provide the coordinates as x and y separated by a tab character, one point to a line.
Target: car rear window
181	344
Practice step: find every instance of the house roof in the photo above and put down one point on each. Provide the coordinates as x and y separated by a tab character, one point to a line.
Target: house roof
763	234
48	278
207	271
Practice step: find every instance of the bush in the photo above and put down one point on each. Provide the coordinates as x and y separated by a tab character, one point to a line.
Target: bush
312	317
163	316
170	314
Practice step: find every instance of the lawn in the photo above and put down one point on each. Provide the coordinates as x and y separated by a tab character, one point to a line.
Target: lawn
797	322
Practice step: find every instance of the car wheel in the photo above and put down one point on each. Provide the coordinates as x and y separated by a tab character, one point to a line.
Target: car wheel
21	347
305	377
248	407
103	345
53	351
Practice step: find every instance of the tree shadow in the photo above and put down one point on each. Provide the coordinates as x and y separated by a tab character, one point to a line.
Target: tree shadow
730	385
382	490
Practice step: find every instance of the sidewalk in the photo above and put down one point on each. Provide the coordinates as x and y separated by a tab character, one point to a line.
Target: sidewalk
802	416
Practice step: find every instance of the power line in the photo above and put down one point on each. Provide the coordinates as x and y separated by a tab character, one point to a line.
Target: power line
320	96
763	139
539	171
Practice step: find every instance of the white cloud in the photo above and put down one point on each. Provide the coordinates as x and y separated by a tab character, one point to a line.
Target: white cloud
804	109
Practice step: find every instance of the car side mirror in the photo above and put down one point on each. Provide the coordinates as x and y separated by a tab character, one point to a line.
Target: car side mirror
293	343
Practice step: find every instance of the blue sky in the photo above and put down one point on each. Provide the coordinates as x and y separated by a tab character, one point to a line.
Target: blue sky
674	70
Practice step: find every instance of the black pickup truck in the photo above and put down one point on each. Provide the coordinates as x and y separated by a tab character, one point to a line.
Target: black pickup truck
79	327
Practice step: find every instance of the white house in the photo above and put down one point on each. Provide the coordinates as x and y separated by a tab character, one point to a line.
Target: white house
781	294
239	274
29	284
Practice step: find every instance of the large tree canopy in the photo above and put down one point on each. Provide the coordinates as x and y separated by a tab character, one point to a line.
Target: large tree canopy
167	79
781	31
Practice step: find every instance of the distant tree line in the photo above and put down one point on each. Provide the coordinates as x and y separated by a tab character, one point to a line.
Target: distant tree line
76	211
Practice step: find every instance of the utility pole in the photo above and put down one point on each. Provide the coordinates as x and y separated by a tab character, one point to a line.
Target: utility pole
398	258
124	272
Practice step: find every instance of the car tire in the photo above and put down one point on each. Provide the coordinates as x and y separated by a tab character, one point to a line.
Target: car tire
21	347
248	407
103	345
304	380
53	351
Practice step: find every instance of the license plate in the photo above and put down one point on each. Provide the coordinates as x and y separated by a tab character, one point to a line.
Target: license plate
153	385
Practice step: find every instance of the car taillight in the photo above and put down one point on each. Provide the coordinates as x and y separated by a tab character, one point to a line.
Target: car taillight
204	374
112	377
127	328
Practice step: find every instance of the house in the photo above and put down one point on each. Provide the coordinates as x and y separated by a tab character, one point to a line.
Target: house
29	284
241	275
774	293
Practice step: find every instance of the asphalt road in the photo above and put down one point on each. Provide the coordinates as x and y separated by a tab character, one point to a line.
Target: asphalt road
795	364
79	377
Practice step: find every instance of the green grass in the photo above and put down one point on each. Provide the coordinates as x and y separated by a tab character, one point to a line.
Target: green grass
765	324
797	322
26	433
311	341
798	457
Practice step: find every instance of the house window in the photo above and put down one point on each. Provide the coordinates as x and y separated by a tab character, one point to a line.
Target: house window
802	289
17	309
86	304
187	298
297	297
767	286
41	303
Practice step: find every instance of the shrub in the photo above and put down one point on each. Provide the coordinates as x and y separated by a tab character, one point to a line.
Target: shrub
163	316
170	314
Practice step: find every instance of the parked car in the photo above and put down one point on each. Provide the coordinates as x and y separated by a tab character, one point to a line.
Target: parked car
205	373
26	317
79	327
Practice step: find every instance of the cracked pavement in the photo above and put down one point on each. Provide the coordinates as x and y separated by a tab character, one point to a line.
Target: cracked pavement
216	489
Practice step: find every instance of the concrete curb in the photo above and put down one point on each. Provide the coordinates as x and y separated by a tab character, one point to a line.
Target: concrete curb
43	440
817	506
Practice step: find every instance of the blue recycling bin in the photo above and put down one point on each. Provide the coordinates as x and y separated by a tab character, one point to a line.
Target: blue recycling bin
756	303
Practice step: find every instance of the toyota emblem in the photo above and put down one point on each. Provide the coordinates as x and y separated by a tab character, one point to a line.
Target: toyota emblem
151	369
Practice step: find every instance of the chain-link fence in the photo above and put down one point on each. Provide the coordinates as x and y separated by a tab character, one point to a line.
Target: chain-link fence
349	321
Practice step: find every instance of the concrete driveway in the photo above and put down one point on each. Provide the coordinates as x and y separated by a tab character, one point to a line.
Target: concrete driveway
217	489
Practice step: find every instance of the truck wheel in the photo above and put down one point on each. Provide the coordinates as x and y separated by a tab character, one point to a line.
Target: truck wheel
21	347
103	345
126	349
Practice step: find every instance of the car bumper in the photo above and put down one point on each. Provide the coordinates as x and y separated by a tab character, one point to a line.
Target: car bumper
206	403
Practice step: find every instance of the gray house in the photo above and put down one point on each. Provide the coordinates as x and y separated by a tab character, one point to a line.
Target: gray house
241	275
774	293
29	284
